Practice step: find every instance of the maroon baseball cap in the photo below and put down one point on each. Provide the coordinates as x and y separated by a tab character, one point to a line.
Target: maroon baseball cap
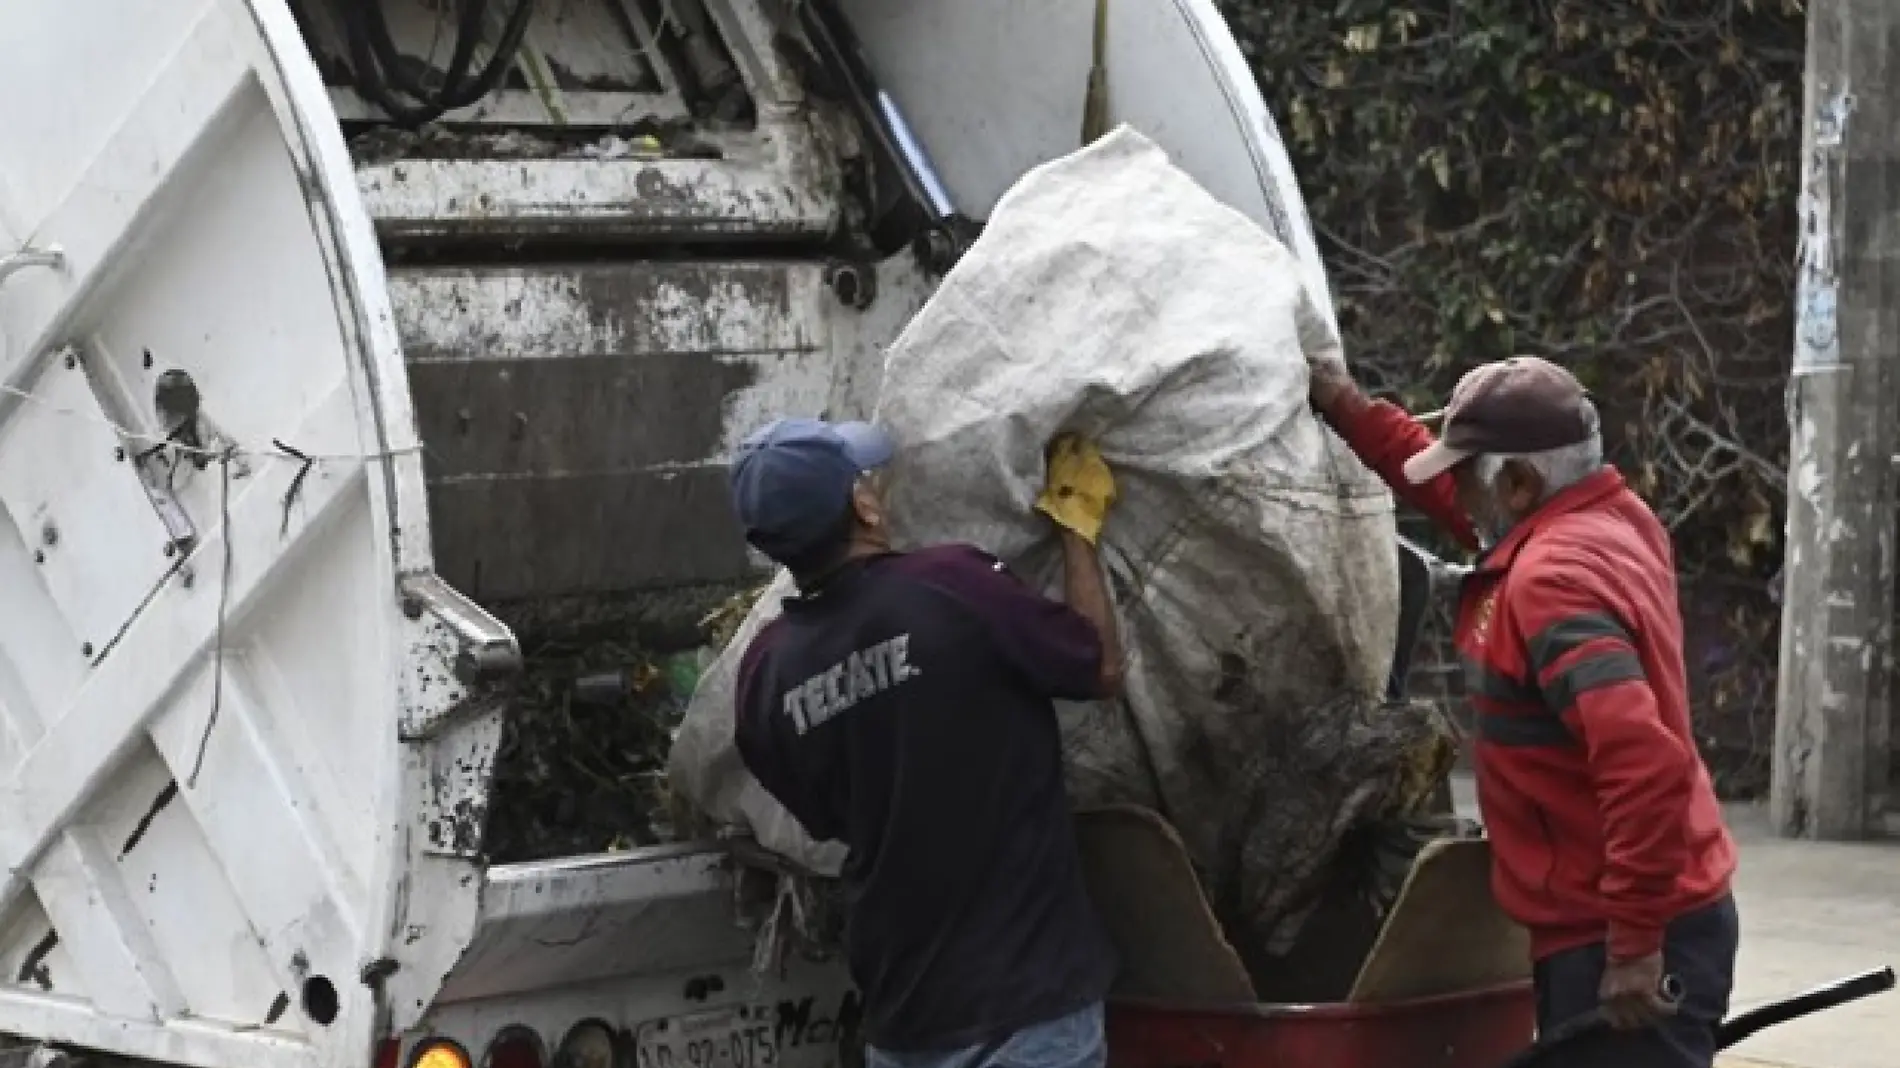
1515	406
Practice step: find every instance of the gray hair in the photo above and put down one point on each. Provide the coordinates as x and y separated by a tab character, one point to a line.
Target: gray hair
1560	468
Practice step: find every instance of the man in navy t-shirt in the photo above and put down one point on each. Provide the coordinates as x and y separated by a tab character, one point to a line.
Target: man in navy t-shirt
902	705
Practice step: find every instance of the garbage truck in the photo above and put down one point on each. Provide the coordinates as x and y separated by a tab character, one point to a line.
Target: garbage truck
345	343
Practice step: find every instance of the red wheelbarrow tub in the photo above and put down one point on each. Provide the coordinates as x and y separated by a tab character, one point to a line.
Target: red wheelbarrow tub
1477	1029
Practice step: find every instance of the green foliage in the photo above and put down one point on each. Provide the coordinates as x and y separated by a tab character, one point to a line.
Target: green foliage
1608	183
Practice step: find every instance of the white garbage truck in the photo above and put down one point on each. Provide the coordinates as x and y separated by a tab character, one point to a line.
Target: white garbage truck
336	336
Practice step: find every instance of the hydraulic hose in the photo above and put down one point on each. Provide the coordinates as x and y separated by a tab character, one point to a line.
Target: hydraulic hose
379	67
374	28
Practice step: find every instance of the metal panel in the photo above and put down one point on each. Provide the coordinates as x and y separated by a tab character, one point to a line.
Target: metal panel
87	172
811	1009
204	831
577	419
995	87
574	921
631	532
634	938
68	482
777	190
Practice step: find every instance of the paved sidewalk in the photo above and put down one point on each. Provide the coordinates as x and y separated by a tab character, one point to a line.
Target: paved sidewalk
1811	913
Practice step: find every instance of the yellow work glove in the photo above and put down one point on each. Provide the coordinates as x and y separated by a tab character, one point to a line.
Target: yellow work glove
1079	489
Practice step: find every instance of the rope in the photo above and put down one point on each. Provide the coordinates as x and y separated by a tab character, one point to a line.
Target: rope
224	455
277	451
224	608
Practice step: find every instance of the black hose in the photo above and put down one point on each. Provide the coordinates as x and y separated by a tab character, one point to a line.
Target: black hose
1576	1027
512	33
371	81
1557	1037
378	65
1840	992
468	34
1732	1030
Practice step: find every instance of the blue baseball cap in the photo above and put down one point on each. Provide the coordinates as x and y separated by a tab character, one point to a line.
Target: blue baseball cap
792	479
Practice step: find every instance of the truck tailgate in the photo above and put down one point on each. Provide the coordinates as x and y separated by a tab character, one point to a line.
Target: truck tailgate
215	551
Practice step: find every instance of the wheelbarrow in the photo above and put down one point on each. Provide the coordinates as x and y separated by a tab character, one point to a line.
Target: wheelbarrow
1446	984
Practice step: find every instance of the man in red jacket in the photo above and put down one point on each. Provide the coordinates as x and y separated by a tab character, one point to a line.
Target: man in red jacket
1608	840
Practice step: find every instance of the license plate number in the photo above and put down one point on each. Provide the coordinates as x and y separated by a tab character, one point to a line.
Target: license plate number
742	1037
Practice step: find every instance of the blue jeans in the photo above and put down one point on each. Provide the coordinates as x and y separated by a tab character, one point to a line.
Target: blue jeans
1698	949
1072	1041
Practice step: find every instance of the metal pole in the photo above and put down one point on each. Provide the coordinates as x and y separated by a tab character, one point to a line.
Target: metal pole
1832	726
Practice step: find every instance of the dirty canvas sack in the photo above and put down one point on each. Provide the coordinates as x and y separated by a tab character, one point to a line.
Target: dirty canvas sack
1252	558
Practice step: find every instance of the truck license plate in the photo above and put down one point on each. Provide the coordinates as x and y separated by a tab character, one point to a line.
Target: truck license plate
800	1033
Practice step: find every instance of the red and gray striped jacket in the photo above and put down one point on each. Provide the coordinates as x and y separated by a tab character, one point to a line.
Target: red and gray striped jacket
1604	825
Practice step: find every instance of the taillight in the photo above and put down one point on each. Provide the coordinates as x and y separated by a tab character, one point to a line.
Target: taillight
516	1047
389	1053
589	1044
439	1053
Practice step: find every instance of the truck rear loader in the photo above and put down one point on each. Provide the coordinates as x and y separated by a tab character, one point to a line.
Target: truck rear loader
343	343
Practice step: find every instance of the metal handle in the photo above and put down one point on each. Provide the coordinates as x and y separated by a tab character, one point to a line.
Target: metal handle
19	261
488	650
1671	990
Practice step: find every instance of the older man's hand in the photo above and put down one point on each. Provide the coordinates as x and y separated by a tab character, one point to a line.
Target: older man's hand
1080	487
1632	993
1327	378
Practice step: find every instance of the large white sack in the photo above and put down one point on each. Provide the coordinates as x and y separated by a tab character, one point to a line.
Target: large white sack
1251	557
